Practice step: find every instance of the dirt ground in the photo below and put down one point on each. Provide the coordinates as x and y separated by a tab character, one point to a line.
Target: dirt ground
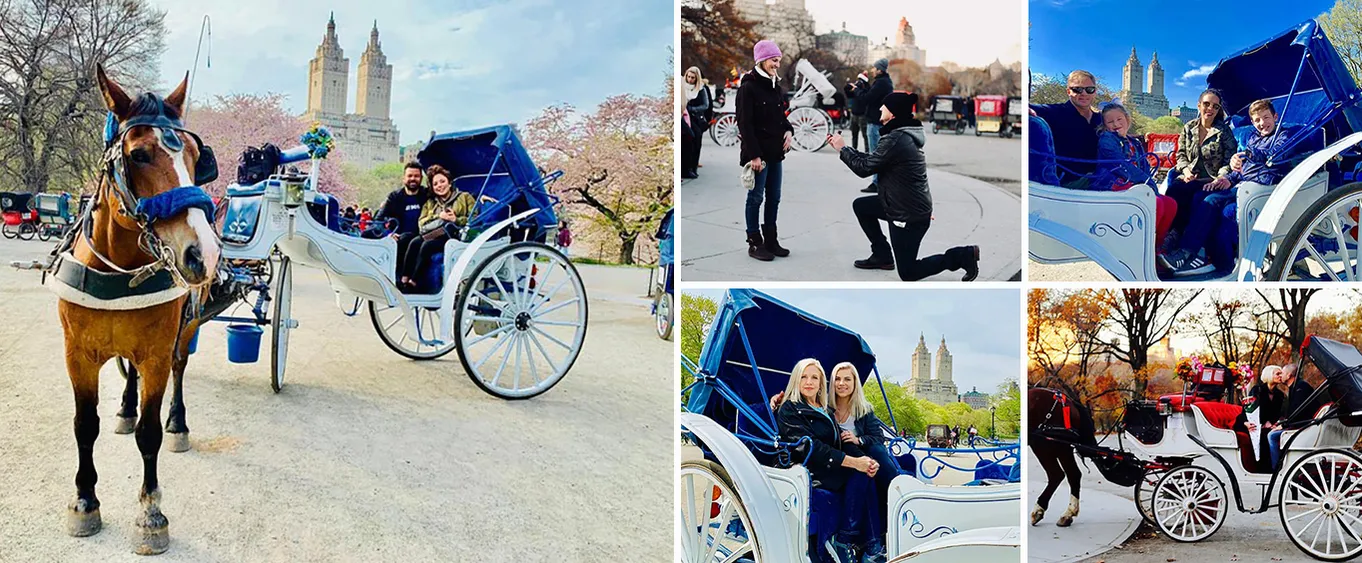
365	455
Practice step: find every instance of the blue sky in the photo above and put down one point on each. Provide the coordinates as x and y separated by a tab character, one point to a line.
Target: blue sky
982	327
1096	35
456	64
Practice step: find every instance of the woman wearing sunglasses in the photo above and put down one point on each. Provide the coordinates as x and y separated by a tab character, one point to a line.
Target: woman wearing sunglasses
1204	151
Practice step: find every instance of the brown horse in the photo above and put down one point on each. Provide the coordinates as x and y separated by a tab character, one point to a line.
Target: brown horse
1050	410
139	278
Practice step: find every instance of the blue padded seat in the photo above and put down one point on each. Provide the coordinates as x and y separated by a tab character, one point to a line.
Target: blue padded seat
1042	155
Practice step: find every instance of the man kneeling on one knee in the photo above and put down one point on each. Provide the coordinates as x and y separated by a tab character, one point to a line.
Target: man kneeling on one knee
904	200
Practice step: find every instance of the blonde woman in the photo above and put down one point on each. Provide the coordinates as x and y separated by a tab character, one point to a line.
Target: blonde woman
861	435
699	108
804	414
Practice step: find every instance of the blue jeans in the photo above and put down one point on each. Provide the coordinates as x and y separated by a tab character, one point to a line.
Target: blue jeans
1207	214
1274	445
872	136
859	509
768	187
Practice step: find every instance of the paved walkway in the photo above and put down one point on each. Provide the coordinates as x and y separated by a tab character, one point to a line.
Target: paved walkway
1104	521
817	225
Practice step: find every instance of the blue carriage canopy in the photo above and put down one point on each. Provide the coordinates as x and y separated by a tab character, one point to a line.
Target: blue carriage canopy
665	240
1303	75
752	328
493	166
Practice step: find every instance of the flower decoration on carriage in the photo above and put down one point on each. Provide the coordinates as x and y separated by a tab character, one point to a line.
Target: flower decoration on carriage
1188	367
318	140
1241	374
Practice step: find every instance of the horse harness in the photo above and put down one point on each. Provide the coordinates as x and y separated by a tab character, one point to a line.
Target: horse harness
1062	403
160	281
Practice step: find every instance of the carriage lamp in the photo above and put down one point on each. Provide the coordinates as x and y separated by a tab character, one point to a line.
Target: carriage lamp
1164	408
293	194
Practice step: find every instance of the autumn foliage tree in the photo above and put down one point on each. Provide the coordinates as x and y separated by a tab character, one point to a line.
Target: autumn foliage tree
1141	318
715	38
231	123
617	165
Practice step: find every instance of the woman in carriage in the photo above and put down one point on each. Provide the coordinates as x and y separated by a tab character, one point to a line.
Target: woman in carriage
834	468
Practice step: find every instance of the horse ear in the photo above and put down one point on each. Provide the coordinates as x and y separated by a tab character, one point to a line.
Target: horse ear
176	98
114	97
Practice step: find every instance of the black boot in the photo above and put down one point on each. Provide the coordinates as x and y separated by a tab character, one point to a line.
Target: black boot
971	264
773	245
880	259
756	249
872	188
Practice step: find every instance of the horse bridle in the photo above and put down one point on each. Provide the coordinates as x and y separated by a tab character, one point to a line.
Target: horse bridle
146	211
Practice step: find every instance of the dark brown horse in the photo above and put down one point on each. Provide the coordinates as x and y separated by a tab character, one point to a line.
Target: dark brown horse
1057	412
138	279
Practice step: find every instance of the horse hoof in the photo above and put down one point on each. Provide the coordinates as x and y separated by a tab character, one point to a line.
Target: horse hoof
155	541
153	531
178	442
1036	515
125	425
1064	521
82	524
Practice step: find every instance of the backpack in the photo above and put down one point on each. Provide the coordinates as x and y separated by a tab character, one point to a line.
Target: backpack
257	164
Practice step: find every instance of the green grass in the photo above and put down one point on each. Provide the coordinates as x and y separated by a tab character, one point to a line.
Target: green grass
595	262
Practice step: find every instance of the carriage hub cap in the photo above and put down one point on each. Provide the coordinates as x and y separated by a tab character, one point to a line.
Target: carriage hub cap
522	321
1330	505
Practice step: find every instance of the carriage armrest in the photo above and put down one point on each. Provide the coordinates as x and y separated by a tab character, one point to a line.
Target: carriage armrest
1210	433
1114	229
1252	196
236	190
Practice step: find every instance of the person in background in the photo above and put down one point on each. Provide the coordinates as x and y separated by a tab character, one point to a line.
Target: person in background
766	136
699	106
856	105
365	217
874	98
1074	127
564	239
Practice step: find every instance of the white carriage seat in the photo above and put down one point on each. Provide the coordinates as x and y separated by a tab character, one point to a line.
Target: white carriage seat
920	512
1113	228
1252	196
1331	433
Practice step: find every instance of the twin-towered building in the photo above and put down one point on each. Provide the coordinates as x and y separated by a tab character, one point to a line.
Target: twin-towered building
368	136
1142	89
940	389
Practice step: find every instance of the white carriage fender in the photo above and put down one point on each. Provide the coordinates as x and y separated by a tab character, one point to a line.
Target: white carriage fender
770	530
455	274
1250	263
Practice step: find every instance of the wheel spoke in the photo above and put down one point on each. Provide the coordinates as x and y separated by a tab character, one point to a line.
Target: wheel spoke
550	337
547	357
492	334
493	350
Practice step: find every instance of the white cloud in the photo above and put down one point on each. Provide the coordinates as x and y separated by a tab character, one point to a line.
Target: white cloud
1202	70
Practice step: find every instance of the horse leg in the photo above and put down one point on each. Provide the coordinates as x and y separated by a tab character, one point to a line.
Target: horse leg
127	413
1070	466
82	515
152	526
1053	476
175	425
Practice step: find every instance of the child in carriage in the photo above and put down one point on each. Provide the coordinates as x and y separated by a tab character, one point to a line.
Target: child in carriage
1123	164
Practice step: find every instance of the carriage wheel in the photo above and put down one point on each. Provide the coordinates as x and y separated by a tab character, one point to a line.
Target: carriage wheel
714	523
1323	242
725	130
662	309
27	231
8	230
394	330
960	128
1189	504
281	324
811	128
1144	494
44	234
1321	505
521	320
935	127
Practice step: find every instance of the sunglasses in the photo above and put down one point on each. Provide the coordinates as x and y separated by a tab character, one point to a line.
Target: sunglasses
1210	105
1083	89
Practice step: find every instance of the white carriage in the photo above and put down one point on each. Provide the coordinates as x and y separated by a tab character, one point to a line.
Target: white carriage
811	122
1303	228
510	302
750	499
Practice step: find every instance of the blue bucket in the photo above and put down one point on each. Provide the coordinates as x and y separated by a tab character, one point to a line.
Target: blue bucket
194	342
243	343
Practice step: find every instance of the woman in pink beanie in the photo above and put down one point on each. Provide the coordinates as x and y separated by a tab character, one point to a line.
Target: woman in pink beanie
766	136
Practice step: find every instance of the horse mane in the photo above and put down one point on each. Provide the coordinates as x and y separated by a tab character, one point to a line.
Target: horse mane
149	104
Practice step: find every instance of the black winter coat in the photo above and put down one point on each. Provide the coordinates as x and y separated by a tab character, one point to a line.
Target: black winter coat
761	119
699	109
902	167
1296	398
872	99
868	430
797	420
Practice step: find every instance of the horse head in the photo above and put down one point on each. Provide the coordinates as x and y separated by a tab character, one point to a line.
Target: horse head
152	190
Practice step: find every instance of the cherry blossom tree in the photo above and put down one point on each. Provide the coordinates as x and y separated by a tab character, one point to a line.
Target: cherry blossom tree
231	123
617	164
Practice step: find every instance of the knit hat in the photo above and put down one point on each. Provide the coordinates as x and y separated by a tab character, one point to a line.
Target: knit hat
900	104
862	76
765	49
882	65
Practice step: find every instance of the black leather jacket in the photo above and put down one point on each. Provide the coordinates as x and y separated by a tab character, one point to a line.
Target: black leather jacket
902	167
797	420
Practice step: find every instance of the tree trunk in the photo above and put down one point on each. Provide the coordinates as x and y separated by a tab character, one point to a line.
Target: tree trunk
627	243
